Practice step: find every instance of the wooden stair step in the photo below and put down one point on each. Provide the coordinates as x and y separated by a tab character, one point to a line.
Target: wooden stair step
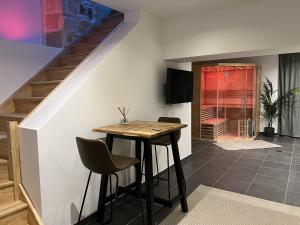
6	190
45	82
104	29
3	127
58	73
3	135
113	16
13	116
13	213
43	88
111	24
72	59
93	38
6	183
85	47
26	104
4	152
4	170
113	21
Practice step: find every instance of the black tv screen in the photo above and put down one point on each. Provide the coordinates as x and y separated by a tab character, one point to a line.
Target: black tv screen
179	87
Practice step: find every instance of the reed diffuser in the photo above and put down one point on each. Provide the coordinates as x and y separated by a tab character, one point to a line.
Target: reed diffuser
124	113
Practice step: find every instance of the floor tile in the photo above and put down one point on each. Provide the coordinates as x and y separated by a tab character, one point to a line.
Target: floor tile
294	176
270	182
294	186
255	154
244	168
293	198
211	149
297	149
295	168
279	174
232	185
284	149
219	163
296	158
240	176
276	165
235	182
208	176
267	193
281	157
128	210
251	162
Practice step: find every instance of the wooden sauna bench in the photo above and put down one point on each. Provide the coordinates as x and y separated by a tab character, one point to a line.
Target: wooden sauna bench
211	125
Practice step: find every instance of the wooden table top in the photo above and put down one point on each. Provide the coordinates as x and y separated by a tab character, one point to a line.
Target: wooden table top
141	129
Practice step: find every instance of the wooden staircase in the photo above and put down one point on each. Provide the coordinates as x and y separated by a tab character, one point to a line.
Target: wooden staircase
15	206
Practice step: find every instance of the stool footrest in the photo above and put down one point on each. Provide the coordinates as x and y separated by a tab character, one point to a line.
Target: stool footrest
131	191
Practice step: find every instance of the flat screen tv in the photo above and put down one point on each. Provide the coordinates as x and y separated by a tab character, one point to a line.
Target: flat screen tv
179	87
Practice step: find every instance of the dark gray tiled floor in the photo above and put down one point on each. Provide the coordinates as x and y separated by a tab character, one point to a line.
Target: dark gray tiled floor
272	174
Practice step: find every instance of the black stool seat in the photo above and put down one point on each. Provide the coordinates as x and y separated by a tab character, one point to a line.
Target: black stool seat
123	162
165	140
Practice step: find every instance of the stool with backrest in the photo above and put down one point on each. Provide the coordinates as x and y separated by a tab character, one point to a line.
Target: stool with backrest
165	141
96	157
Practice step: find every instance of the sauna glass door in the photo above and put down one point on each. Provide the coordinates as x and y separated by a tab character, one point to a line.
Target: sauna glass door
227	102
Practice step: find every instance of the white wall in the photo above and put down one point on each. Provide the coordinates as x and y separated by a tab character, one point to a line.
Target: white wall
131	73
249	29
19	62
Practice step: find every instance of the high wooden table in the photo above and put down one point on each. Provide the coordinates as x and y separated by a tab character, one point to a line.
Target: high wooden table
141	131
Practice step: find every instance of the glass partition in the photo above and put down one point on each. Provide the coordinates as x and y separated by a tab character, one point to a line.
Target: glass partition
227	102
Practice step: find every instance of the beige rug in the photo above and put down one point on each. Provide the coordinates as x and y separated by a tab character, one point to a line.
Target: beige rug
211	206
245	144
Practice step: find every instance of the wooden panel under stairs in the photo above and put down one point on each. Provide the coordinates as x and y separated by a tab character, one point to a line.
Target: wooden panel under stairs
6	191
3	146
4	170
13	213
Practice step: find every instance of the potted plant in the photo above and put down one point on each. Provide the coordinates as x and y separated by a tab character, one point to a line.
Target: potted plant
271	104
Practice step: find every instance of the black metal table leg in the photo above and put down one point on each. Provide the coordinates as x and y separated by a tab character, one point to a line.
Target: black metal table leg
149	182
103	186
179	172
138	155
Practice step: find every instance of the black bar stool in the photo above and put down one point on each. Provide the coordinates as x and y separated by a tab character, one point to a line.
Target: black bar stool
96	157
165	141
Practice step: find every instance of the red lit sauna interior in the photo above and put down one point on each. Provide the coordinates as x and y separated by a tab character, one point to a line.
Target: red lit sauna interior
227	102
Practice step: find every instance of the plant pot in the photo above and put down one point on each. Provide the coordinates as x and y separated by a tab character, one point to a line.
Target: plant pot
269	131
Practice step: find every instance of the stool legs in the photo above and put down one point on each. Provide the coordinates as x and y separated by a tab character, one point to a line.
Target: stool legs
85	192
115	196
157	169
168	169
139	187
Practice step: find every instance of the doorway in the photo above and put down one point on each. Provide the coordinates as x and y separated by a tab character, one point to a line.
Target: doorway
226	101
